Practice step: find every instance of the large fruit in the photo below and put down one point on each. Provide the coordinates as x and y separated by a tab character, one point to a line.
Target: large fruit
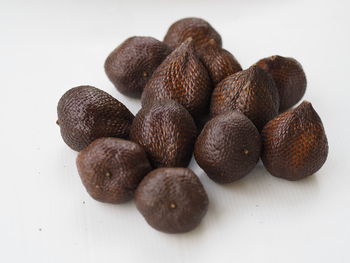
228	147
183	78
196	28
172	200
112	168
251	91
131	64
289	77
86	113
294	143
166	131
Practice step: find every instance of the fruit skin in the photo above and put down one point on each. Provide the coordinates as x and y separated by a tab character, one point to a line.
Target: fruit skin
172	200
166	131
219	62
196	28
289	77
181	77
294	143
112	168
131	64
228	147
86	113
251	91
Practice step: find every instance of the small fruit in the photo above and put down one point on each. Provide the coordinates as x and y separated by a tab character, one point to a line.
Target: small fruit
219	62
131	64
251	91
196	28
166	131
172	200
228	147
289	77
111	169
294	143
86	113
183	78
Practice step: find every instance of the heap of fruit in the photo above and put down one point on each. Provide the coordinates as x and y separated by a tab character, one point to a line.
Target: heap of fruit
195	98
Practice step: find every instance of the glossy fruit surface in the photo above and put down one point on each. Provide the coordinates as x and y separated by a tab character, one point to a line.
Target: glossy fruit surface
172	200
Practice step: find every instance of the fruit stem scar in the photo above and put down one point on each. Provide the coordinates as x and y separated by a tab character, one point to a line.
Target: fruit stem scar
172	205
58	122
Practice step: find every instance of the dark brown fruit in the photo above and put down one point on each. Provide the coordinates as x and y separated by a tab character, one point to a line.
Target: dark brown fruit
172	200
196	28
166	131
86	113
219	62
228	147
183	78
131	64
294	143
111	169
251	91
289	77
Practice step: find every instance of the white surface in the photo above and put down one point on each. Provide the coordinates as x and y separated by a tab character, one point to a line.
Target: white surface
47	47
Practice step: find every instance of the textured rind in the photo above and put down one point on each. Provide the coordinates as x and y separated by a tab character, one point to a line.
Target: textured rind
219	62
172	200
196	28
228	147
132	63
86	113
289	77
251	91
181	77
294	143
167	132
112	168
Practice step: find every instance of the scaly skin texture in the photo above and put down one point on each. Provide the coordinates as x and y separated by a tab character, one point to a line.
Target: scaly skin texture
219	62
86	113
181	77
196	28
289	77
294	143
167	132
251	91
131	64
172	200
228	147
111	169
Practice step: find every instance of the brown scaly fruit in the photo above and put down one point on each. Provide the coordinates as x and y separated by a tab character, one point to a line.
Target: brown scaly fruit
166	131
196	28
181	77
219	62
112	168
172	200
294	143
131	64
251	91
86	113
228	147
289	77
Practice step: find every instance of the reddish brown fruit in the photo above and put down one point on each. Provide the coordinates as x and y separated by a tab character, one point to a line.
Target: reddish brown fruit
183	78
228	147
131	64
219	62
294	143
251	91
196	28
172	200
112	168
86	113
289	77
166	131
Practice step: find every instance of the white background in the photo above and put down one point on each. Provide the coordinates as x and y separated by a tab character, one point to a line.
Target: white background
47	47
